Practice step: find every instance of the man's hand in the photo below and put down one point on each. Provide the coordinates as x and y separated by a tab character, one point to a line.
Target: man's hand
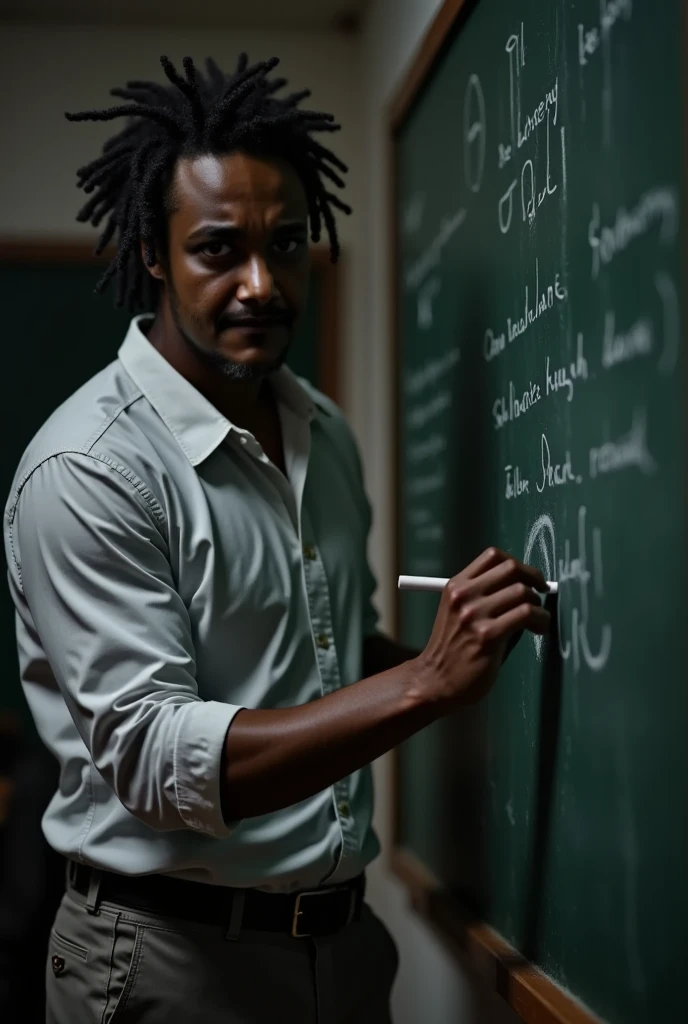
481	610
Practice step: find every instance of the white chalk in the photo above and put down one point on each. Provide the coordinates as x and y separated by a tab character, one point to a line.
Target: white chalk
437	583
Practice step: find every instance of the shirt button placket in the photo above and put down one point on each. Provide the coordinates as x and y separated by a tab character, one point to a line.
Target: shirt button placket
321	624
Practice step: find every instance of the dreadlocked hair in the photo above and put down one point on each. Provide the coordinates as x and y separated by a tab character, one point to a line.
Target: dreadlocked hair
196	114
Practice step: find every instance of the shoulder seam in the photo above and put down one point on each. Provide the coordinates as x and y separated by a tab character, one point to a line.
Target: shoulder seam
152	503
145	497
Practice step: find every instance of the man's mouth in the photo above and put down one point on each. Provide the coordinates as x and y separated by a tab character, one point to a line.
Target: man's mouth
256	323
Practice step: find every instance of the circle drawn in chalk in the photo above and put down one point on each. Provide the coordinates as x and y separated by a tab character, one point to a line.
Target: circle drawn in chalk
542	539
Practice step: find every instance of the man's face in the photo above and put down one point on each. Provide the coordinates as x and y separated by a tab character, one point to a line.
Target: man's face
237	266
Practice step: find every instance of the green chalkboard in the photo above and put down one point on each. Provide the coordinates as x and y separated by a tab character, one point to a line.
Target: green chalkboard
58	333
541	403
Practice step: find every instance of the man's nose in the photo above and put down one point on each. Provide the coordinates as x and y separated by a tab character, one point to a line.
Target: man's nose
257	284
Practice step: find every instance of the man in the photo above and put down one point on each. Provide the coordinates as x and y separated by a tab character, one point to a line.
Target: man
186	541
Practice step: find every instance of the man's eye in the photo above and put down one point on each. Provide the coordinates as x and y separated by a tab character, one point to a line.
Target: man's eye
216	249
286	246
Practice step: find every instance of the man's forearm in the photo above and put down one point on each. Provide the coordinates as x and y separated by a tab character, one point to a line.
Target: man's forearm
277	758
381	652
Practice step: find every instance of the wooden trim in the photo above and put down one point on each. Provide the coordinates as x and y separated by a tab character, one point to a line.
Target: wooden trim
485	955
432	43
15	250
329	333
44	251
477	947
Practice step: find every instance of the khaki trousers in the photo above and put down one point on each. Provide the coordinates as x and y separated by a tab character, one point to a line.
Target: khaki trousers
119	966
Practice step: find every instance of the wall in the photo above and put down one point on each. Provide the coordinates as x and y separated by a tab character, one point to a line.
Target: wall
430	988
48	70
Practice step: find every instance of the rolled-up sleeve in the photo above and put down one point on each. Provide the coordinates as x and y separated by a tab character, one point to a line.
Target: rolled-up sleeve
88	549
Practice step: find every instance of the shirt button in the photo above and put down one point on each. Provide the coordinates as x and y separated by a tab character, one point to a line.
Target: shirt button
58	965
323	641
344	809
309	552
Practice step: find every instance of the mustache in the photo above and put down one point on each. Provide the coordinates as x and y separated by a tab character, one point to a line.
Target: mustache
266	318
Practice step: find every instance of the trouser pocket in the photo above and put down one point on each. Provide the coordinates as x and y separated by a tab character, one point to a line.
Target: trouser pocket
92	965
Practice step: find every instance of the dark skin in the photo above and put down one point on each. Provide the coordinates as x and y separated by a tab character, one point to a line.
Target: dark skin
231	294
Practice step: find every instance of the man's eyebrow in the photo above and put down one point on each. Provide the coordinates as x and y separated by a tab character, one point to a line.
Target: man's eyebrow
291	225
215	231
220	232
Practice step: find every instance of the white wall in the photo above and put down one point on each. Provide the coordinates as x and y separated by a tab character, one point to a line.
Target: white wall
430	988
50	70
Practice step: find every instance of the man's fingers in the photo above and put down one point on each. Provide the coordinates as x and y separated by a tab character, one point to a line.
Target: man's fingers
524	616
502	601
486	560
505	574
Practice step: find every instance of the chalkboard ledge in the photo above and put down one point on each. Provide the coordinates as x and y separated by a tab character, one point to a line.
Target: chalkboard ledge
485	955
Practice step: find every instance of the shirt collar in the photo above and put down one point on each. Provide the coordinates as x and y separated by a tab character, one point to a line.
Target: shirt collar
194	422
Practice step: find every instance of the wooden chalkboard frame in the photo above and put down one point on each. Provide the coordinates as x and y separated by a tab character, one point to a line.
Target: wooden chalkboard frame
477	947
329	335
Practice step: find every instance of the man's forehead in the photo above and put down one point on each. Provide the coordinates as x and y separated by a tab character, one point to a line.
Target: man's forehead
236	179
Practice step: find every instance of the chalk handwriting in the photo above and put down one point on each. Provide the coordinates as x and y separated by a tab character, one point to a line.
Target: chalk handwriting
517	60
589	39
541	542
581	590
622	348
505	208
427	484
516	485
543	301
532	196
540	114
573	572
628	451
518	403
432	256
588	42
493	344
555	474
419	415
429	448
565	377
426	297
474	133
430	372
659	205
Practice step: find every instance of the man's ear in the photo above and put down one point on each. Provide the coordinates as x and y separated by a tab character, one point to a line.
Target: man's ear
156	270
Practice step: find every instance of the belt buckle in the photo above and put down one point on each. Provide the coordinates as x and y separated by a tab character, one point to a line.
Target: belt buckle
316	892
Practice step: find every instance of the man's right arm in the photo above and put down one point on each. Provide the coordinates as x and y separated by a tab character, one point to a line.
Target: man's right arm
88	552
277	758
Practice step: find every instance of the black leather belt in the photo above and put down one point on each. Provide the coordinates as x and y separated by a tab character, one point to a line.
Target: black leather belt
314	912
